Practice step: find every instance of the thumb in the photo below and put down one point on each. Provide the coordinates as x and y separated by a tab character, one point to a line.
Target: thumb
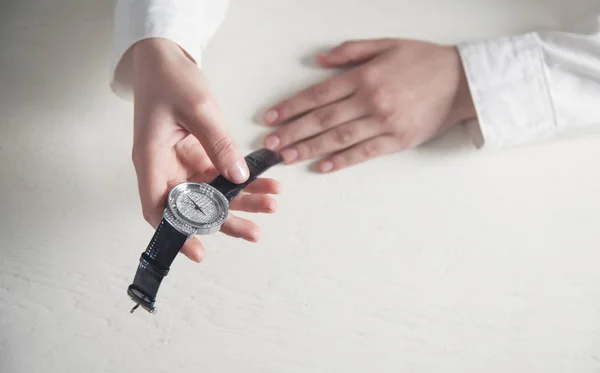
206	124
354	52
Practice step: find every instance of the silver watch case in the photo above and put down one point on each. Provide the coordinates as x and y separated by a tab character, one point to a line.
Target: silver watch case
187	226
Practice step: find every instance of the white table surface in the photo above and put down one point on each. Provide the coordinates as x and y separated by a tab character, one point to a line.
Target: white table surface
442	259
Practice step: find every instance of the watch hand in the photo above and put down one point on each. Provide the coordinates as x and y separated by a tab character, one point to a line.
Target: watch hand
196	205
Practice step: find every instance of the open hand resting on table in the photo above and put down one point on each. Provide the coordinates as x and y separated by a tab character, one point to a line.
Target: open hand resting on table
179	136
398	95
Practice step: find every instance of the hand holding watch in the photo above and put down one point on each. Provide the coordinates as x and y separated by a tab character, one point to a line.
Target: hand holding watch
192	208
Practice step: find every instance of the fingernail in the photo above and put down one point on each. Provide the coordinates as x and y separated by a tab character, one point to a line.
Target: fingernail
289	155
272	142
254	237
326	166
271	116
271	207
238	173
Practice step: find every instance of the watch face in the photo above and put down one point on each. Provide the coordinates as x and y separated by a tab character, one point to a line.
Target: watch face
199	205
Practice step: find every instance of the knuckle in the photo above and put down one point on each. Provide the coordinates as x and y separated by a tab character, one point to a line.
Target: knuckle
324	118
382	102
344	136
223	147
371	149
308	149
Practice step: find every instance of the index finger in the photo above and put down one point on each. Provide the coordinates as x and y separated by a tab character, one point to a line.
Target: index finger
321	94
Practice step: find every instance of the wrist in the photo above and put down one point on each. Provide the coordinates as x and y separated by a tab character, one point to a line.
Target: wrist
160	49
463	107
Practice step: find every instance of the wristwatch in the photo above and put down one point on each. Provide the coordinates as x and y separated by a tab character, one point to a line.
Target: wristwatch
192	208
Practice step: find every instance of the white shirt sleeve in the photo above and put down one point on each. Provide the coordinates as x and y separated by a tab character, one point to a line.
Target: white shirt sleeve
533	86
189	23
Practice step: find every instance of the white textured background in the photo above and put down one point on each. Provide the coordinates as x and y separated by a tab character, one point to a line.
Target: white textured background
443	259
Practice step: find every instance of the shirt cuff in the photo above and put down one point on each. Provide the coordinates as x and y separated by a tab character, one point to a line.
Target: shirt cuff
143	19
507	80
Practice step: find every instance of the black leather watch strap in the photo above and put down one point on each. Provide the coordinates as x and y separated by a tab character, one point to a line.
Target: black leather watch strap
154	265
258	162
167	241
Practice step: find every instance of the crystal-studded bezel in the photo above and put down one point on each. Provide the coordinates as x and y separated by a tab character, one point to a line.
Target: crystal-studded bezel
210	192
180	225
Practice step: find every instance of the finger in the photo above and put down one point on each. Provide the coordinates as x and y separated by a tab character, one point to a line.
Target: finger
264	186
361	152
336	139
193	249
354	52
194	160
205	122
315	122
254	203
241	228
311	98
